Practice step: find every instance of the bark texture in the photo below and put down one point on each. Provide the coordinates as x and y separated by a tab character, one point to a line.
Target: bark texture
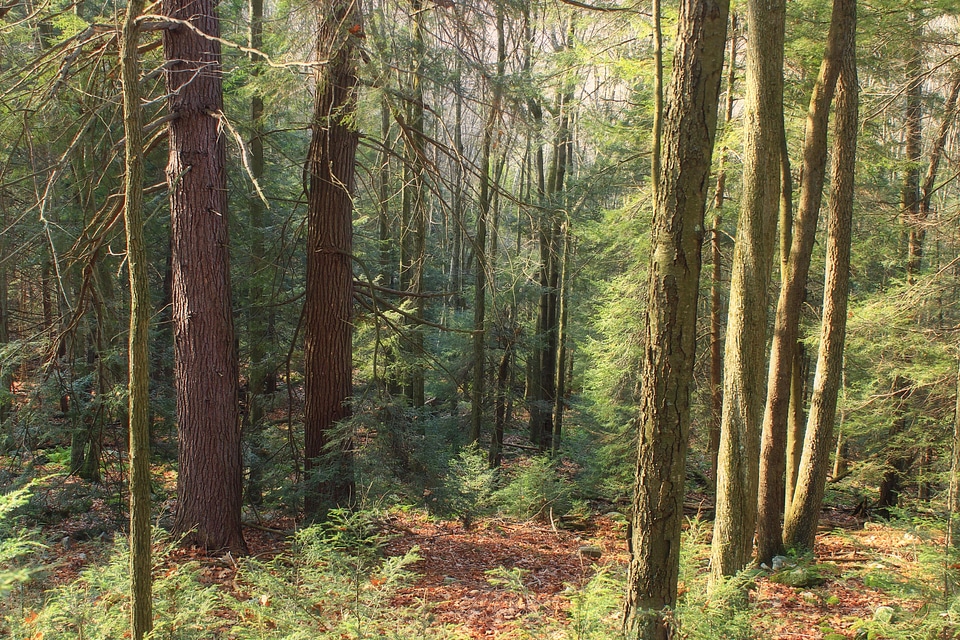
745	347
138	394
800	526
716	282
209	485
787	324
689	127
327	326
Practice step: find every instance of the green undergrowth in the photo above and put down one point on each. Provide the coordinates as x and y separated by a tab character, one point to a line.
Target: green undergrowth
334	583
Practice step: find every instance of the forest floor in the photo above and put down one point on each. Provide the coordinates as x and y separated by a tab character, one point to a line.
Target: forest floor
501	578
834	594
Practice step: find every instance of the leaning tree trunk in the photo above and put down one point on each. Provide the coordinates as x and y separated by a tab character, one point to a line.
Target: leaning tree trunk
787	324
327	322
800	526
138	394
209	485
745	348
663	423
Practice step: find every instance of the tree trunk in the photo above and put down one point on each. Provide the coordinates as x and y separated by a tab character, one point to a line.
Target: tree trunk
414	224
141	607
745	348
209	485
541	414
800	526
716	282
502	404
257	314
918	231
787	324
562	312
913	130
480	243
663	422
327	323
6	374
796	423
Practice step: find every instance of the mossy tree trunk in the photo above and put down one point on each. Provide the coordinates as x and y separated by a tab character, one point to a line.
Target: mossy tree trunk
689	127
745	346
141	621
780	387
800	525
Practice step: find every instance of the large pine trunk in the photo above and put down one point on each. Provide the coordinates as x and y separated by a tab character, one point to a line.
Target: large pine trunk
663	423
328	331
209	483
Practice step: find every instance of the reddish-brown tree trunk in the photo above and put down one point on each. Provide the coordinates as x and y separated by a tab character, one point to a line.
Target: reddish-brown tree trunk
209	481
328	332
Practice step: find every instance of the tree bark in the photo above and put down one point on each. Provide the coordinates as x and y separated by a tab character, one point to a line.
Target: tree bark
745	347
327	323
796	422
413	232
209	485
258	322
480	244
563	305
800	526
138	383
787	324
663	422
716	282
913	130
918	232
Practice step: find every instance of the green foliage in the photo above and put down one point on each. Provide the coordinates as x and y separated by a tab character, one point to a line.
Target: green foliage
468	485
15	545
596	607
535	491
96	605
725	612
333	585
509	579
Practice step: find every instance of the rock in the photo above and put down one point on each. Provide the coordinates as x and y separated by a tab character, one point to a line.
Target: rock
591	551
884	615
450	580
778	562
798	577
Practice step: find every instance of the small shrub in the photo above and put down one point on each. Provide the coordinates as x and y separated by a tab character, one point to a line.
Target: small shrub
468	486
536	491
